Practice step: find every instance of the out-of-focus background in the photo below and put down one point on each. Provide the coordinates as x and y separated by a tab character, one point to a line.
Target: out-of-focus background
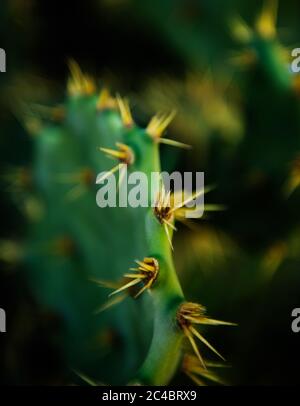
243	263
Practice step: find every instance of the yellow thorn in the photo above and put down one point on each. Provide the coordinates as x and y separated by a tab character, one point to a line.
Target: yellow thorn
266	22
124	153
190	198
85	378
126	286
174	143
135	275
113	153
210	322
144	265
168	235
214	207
195	379
195	371
104	284
201	338
158	125
187	200
146	274
194	345
79	84
190	313
108	174
105	100
170	225
125	112
190	308
146	286
162	208
111	302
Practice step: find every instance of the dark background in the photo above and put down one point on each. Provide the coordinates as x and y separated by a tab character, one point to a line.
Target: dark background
129	45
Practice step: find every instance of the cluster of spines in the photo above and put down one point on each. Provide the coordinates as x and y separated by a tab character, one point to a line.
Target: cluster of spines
263	45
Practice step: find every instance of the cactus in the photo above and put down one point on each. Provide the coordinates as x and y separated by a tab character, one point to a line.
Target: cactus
82	247
262	45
